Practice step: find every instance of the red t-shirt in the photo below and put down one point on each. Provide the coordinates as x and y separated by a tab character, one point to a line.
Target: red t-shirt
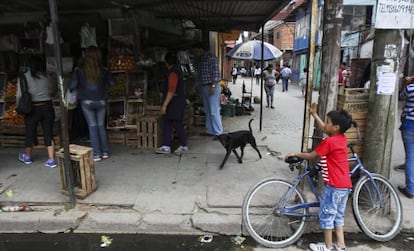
334	161
340	76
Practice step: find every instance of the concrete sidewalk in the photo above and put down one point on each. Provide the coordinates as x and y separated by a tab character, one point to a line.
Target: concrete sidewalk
142	192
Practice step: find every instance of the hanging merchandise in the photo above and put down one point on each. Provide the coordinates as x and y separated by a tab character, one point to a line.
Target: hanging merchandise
49	34
87	36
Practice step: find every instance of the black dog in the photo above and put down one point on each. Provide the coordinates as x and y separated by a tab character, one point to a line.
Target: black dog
231	141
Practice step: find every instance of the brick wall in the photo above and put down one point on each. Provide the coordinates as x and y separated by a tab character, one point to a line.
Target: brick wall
283	36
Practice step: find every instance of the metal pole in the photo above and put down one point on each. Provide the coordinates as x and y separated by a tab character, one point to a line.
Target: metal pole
64	122
310	66
261	82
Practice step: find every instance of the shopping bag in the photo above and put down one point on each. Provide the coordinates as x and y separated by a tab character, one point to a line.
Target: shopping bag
71	99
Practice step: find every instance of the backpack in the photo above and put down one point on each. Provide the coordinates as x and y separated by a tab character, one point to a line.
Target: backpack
24	105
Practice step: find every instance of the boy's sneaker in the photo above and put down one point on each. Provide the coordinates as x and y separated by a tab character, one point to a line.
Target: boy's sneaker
181	150
25	159
97	158
51	163
105	155
163	149
337	248
319	247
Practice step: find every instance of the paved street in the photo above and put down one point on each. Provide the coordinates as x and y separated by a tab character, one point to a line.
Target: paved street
141	192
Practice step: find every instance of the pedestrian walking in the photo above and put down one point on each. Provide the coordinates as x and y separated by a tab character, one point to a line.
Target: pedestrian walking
40	88
234	73
341	85
407	133
173	106
333	154
257	74
285	74
304	80
208	77
91	80
269	76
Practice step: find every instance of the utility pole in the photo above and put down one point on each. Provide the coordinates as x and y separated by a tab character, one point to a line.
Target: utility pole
331	55
381	116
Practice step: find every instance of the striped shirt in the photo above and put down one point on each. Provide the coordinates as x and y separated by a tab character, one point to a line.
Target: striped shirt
334	161
407	116
208	69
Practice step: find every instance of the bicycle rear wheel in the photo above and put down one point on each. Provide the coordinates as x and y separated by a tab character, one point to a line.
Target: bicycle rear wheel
378	215
263	214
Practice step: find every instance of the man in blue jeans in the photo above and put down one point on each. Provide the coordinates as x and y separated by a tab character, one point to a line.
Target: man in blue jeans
208	77
285	73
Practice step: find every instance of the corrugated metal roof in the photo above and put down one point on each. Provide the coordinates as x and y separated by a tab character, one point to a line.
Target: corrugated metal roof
215	15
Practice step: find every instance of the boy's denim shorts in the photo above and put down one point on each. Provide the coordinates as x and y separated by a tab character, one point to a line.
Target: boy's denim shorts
332	209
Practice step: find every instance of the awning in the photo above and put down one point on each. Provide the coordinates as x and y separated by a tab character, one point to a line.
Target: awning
213	15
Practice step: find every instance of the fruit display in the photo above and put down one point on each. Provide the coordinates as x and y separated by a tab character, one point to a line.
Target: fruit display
118	90
12	120
121	63
11	88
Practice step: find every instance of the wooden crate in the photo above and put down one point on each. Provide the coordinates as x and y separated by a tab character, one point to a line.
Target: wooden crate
199	120
354	106
116	137
131	138
149	132
83	169
18	141
354	95
116	114
134	110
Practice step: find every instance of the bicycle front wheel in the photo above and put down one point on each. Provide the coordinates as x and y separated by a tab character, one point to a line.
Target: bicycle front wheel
378	215
264	213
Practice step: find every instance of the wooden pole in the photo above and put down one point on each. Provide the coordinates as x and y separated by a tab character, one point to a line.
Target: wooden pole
381	116
331	55
310	75
64	121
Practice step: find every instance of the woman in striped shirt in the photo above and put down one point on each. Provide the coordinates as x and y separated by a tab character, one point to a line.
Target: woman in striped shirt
407	132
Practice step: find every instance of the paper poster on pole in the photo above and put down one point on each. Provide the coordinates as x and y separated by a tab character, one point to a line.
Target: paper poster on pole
386	83
395	14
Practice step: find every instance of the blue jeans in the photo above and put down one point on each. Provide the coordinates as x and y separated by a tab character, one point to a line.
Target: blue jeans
408	140
94	112
211	104
332	208
285	83
269	94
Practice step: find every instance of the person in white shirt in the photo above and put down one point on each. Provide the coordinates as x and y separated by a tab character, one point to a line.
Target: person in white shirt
257	73
285	73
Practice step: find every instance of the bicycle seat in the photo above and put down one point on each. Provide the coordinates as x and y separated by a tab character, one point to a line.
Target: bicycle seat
293	159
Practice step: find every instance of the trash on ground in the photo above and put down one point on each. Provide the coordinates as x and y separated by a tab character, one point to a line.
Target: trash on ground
238	240
206	238
106	241
15	208
9	193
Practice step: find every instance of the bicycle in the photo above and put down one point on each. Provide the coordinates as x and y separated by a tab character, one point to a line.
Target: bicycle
275	210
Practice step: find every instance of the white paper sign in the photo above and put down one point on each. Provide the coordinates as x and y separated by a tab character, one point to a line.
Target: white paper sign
386	83
395	14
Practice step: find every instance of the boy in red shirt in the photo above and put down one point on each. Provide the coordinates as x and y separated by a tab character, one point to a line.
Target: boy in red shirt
333	153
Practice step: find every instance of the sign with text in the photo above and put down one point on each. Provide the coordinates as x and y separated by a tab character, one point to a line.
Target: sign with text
395	14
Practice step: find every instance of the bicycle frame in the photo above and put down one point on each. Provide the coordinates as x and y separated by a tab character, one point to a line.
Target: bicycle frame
291	210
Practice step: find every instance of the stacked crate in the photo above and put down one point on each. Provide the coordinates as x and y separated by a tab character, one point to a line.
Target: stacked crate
355	102
149	132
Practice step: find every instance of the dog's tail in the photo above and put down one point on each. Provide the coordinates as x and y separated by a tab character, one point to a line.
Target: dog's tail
250	126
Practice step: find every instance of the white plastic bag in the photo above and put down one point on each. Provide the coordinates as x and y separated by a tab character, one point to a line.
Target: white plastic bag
71	99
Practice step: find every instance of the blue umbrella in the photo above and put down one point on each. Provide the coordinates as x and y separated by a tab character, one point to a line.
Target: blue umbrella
252	50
